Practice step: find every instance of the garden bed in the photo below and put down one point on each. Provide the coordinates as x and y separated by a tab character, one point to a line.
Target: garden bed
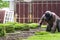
19	35
17	31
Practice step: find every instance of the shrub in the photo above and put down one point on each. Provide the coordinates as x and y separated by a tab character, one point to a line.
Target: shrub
2	30
18	26
9	28
25	27
33	25
21	26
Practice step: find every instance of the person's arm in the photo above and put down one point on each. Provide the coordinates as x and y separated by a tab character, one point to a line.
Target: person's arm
41	20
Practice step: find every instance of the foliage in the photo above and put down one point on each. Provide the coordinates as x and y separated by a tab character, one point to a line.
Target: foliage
9	28
18	26
33	25
25	27
21	26
4	4
2	30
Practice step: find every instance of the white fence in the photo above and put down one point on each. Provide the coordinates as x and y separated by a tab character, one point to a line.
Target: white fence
9	16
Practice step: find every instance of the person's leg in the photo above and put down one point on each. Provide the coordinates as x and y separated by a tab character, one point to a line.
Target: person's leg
58	25
48	29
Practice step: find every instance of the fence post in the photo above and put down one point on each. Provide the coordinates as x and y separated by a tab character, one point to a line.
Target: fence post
15	17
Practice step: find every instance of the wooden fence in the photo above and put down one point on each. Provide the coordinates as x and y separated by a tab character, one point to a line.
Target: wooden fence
31	12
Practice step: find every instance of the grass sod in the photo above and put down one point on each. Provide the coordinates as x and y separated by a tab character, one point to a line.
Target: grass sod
44	36
43	26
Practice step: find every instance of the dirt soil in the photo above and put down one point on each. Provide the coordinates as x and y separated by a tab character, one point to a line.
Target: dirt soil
19	35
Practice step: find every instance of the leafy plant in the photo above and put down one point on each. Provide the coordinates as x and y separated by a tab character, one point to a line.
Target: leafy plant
33	25
18	26
21	26
25	27
9	28
2	30
4	4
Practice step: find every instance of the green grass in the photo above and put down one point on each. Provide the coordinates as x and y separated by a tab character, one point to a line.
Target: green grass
43	26
44	36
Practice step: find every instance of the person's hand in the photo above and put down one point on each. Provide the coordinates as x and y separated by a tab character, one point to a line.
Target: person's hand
38	26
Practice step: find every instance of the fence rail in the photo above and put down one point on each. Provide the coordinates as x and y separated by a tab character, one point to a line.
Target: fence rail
32	12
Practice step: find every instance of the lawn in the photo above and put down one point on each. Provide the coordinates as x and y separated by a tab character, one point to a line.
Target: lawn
44	36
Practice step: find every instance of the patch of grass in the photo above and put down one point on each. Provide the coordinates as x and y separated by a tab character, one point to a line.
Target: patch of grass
41	33
44	36
33	25
9	28
22	27
43	26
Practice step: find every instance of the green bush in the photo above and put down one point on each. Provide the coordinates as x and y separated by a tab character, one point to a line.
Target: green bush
25	27
2	30
21	26
33	25
18	26
9	28
4	4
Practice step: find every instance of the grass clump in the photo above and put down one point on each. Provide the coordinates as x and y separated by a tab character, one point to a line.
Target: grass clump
44	36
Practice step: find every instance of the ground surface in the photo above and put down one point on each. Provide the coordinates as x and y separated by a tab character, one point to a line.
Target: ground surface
19	35
49	36
22	34
30	35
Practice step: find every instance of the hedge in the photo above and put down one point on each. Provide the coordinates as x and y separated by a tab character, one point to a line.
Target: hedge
21	26
12	27
2	30
9	28
33	25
